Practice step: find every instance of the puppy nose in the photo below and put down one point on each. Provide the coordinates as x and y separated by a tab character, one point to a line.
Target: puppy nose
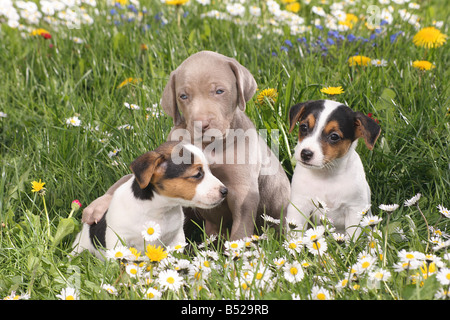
306	154
223	191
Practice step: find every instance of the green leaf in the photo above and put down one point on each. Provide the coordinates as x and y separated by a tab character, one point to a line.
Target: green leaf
65	227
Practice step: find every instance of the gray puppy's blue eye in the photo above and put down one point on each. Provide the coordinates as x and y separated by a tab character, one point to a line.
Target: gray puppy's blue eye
183	97
219	91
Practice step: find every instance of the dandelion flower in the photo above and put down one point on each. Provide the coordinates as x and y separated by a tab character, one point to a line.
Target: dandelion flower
318	293
151	232
293	272
359	61
68	294
270	93
429	37
176	2
332	90
293	7
412	201
170	280
128	81
155	254
37	186
423	65
73	121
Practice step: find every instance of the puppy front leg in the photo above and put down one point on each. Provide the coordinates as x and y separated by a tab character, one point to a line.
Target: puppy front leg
243	206
352	221
299	213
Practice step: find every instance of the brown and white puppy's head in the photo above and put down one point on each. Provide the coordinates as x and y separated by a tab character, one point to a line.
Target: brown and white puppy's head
205	91
327	130
180	172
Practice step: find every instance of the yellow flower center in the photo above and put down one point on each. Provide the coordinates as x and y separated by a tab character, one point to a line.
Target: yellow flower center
293	271
365	264
259	276
170	280
118	254
70	298
321	296
150	231
316	245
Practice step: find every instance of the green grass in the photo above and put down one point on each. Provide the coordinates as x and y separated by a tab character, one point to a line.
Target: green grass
43	85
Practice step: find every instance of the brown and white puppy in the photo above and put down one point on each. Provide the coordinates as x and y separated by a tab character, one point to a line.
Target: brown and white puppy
173	176
328	167
206	97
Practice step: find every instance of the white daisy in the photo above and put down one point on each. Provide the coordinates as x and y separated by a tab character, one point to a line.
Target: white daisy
379	275
119	252
151	294
444	211
293	272
412	201
370	220
110	289
318	293
133	270
170	280
443	276
388	207
151	231
73	121
317	247
68	294
378	62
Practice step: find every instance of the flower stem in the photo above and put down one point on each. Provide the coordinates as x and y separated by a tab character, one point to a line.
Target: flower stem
428	229
46	216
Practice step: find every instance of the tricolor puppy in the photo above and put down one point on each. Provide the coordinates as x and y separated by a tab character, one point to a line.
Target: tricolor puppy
328	167
174	175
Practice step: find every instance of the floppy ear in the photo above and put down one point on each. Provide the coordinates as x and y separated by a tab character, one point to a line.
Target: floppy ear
367	128
294	115
245	83
169	100
144	167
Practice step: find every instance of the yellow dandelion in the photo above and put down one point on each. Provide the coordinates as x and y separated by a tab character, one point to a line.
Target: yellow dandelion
359	61
127	81
37	186
155	254
423	65
429	37
351	18
270	93
332	90
293	7
176	2
39	32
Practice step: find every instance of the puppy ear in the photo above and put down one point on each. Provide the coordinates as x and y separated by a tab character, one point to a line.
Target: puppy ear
367	128
245	83
144	167
295	114
169	100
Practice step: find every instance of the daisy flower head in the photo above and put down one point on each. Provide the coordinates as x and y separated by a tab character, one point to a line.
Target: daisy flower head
412	201
119	252
236	245
411	257
379	275
370	221
73	121
365	264
151	294
443	276
317	246
444	211
270	93
378	62
429	37
170	280
293	272
133	270
313	234
293	245
279	262
332	90
110	289
131	106
423	65
388	207
68	294
359	61
318	293
151	231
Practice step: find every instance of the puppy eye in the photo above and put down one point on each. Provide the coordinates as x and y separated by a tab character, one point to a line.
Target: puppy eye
183	96
199	174
219	91
303	128
334	137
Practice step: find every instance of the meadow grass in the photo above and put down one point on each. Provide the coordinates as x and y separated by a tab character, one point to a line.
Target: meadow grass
80	71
